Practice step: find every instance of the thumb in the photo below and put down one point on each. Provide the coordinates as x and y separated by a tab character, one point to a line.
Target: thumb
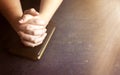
28	14
32	12
25	18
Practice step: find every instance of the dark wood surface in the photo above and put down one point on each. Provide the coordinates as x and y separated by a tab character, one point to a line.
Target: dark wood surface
86	42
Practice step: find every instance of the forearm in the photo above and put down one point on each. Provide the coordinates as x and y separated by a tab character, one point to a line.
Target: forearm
49	7
11	9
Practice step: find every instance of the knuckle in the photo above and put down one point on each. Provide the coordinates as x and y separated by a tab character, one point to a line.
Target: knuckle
24	16
26	43
32	9
41	42
34	32
31	39
20	34
27	11
27	27
45	30
45	34
31	45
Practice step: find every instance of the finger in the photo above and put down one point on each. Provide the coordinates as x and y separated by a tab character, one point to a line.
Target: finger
34	27
32	12
38	32
32	38
25	18
27	37
35	30
41	39
28	27
27	43
37	21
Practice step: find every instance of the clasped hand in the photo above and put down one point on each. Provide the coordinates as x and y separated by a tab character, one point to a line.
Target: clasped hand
32	28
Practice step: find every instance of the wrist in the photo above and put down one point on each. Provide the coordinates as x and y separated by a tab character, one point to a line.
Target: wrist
45	17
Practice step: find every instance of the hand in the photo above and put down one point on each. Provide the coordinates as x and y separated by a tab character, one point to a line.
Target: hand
32	28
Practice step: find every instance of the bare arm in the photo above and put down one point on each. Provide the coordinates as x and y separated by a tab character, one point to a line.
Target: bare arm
12	11
48	8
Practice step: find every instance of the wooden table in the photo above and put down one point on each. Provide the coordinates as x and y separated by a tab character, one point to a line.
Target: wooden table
86	42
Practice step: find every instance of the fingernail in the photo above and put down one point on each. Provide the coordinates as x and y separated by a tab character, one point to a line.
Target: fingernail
32	9
21	21
33	45
37	13
45	30
36	41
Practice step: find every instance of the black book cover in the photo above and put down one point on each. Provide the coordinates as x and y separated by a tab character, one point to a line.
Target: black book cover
35	53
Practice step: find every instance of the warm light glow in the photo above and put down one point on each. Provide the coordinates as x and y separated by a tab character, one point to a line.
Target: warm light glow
106	14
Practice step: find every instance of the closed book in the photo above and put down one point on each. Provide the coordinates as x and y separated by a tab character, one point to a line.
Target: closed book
34	53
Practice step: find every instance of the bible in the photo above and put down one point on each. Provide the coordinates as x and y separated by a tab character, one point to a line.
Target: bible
34	53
